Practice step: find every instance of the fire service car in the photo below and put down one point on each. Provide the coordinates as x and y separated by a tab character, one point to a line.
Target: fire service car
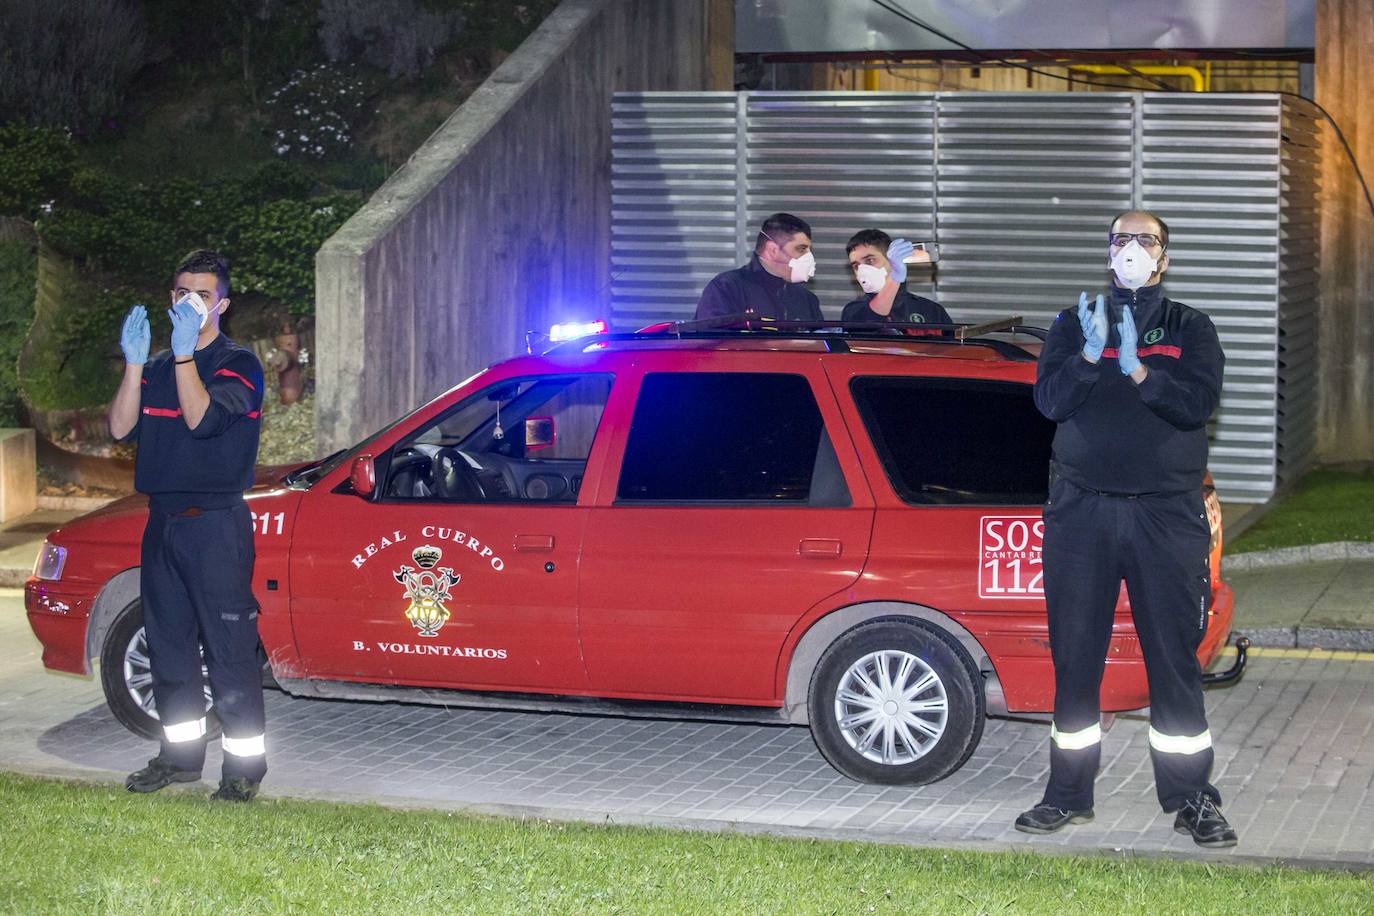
832	527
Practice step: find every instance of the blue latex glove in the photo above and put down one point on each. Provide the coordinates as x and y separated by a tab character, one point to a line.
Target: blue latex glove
1126	356
897	253
185	328
136	336
1094	323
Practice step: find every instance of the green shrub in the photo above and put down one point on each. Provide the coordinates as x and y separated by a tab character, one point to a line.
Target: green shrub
18	275
35	165
273	246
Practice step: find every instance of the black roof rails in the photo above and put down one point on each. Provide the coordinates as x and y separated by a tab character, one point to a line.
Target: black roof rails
835	334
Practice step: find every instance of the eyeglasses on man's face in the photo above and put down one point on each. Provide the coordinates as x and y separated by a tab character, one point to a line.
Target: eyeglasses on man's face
1146	239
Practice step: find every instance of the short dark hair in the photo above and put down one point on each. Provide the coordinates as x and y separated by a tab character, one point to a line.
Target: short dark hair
875	237
780	224
205	261
1163	226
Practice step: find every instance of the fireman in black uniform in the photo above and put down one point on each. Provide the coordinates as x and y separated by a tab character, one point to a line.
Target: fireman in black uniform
194	410
1131	383
879	265
773	283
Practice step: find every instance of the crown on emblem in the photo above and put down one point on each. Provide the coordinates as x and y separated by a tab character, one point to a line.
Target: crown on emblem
425	557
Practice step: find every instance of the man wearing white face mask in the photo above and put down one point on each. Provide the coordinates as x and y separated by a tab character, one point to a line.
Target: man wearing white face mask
195	413
773	283
1131	382
879	264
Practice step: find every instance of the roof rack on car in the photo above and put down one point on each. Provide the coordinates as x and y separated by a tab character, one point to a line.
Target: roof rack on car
835	334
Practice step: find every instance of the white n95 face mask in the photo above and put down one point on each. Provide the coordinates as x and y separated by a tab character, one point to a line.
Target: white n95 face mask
803	268
871	277
1133	265
198	304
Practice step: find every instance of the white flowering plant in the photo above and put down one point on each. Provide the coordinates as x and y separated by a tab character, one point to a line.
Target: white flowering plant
316	113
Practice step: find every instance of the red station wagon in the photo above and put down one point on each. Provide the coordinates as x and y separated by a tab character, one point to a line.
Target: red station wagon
834	527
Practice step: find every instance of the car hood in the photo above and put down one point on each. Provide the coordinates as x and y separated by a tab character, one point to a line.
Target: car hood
124	518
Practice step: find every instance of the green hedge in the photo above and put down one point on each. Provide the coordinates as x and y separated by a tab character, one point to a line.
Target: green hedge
18	267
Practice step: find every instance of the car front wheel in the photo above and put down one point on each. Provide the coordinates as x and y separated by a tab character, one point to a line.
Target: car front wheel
896	702
127	678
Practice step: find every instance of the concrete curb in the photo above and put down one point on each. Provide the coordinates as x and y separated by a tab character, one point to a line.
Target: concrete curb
1296	556
1300	637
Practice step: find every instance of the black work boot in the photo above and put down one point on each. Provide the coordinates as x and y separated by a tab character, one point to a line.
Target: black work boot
1201	817
236	789
158	774
1047	818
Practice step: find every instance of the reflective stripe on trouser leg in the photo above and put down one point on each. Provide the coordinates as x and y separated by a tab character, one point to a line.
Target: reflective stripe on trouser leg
255	746
1179	744
1168	578
1081	587
182	732
1076	741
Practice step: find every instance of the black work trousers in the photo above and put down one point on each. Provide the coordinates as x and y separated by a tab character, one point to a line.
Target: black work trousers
197	594
1158	544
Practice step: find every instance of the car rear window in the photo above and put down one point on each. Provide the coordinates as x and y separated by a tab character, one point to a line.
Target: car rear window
726	436
957	441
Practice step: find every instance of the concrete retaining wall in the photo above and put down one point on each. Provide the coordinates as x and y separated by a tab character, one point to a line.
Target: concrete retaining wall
499	223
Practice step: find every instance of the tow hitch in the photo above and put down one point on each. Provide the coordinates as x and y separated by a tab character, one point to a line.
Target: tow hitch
1232	674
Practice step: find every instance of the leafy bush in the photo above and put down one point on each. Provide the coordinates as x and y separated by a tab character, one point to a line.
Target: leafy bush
391	35
274	246
35	165
18	274
316	114
65	63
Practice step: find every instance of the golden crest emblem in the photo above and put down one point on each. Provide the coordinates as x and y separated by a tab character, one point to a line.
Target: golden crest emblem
427	588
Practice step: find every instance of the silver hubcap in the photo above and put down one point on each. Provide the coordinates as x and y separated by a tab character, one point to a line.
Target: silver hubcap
138	675
891	707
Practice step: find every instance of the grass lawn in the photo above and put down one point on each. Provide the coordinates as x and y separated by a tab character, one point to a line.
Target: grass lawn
1328	505
89	848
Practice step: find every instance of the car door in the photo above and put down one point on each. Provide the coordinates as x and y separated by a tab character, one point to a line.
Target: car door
461	570
736	506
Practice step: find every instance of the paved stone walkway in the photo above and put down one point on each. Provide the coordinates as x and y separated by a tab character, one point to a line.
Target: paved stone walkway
1295	763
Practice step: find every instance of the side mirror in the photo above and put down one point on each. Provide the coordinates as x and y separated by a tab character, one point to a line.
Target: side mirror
363	475
538	433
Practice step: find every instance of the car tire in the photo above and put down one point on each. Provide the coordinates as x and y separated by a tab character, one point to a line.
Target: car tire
126	678
873	731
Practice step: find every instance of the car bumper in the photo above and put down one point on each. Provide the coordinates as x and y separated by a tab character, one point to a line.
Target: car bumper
58	618
1218	625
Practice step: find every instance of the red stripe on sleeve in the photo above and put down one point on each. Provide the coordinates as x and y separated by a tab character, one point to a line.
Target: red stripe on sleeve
162	411
1156	350
233	374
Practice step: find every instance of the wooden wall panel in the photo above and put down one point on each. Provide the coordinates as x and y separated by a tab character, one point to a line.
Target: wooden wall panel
1345	86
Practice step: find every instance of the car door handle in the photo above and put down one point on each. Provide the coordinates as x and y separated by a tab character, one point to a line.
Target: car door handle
820	547
534	543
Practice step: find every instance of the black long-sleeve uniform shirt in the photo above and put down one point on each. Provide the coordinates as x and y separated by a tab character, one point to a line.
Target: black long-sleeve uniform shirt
209	466
752	288
1119	437
906	307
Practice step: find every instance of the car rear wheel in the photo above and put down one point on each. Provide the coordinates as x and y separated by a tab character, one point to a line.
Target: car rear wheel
896	702
127	678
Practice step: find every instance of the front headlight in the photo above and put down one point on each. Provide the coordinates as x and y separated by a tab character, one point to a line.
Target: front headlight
50	561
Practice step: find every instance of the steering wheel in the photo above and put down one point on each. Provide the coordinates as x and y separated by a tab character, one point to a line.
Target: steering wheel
409	467
454	478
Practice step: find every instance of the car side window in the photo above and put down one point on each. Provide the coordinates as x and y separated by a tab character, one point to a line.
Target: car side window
729	437
949	441
520	440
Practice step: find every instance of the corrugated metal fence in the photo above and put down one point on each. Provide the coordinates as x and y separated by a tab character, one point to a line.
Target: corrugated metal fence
1017	190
